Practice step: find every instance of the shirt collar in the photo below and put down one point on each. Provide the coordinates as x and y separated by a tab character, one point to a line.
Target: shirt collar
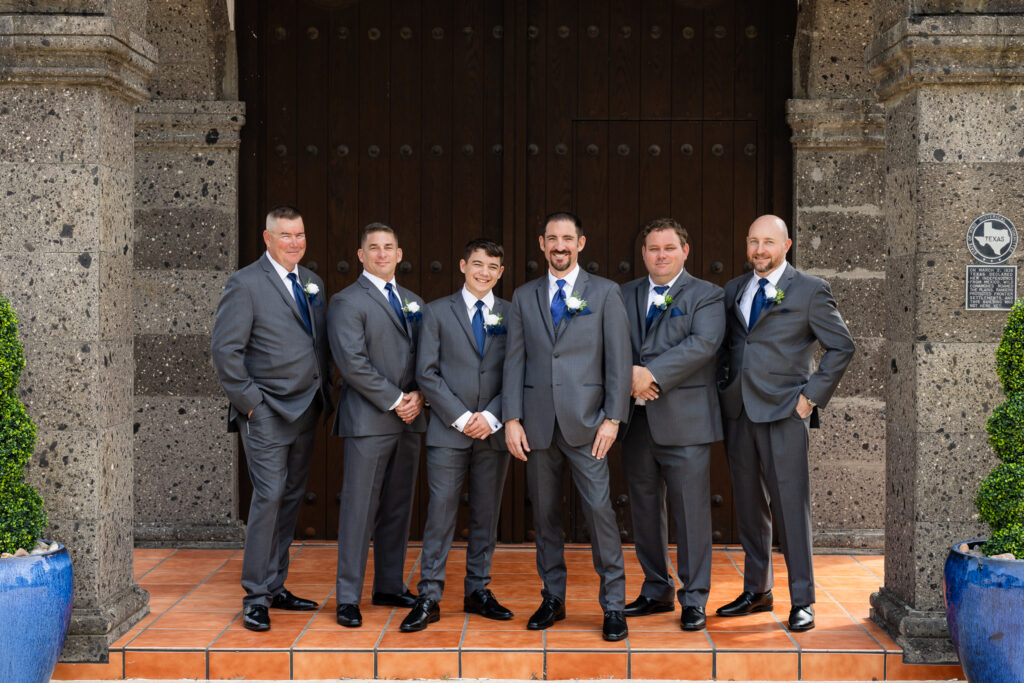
378	282
281	270
470	300
773	277
671	283
570	280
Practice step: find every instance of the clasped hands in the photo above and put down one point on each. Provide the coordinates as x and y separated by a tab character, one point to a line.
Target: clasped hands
410	406
518	446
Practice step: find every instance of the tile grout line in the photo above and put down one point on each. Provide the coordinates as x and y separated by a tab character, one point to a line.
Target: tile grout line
137	579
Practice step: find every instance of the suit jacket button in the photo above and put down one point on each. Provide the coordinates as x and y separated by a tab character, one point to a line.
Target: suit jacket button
556	355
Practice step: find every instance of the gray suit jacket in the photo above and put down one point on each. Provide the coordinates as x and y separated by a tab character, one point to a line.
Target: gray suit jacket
261	349
680	351
376	357
453	376
579	374
766	369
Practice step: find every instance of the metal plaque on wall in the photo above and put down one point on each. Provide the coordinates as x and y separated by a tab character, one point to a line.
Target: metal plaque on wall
991	239
991	288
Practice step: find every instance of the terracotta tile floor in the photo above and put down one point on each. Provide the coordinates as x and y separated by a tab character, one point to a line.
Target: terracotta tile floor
194	630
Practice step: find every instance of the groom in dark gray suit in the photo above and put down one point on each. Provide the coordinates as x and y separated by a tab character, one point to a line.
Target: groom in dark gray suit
458	369
566	389
373	326
270	351
768	390
676	325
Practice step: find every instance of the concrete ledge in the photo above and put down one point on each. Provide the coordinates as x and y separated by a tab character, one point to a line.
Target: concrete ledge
154	535
92	630
836	124
923	636
188	124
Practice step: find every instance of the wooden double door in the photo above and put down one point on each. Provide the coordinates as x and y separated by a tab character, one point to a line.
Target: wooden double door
452	119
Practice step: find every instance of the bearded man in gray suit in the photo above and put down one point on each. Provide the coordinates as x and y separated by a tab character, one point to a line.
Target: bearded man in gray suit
768	390
270	351
676	325
373	326
566	389
458	369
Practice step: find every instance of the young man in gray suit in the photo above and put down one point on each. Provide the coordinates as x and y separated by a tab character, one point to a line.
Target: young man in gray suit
566	388
458	368
768	390
373	326
270	352
676	324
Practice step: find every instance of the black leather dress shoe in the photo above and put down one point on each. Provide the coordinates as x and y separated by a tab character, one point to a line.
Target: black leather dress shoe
614	626
349	615
285	600
482	602
550	611
424	612
406	599
644	605
801	618
255	618
748	603
692	618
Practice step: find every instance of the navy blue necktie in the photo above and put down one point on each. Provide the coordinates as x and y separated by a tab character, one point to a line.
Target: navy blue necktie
300	299
653	311
393	300
558	308
478	327
759	303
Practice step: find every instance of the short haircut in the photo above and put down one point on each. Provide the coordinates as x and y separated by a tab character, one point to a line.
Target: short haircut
489	247
664	224
376	227
285	211
563	216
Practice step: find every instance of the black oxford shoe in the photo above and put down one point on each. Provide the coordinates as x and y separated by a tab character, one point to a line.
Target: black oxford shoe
692	618
255	618
644	605
424	612
285	600
482	602
748	603
349	615
801	618
406	599
550	611
614	627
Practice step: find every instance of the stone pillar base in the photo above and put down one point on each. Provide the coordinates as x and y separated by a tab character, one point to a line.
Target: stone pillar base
174	535
924	636
93	630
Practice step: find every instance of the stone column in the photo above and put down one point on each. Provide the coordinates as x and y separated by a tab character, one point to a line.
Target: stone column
68	86
954	150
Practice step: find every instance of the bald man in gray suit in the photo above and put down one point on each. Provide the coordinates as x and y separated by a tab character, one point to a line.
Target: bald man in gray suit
768	390
270	350
566	389
373	326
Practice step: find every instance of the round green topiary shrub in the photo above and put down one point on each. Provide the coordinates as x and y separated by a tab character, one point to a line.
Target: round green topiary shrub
22	518
1000	499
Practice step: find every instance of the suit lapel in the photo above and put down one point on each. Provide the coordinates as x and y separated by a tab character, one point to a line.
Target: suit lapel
278	284
675	292
739	299
545	305
579	288
641	308
458	306
787	277
309	304
379	298
489	338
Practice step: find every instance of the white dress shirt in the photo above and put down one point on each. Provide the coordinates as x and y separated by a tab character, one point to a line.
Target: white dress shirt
769	290
283	274
470	300
570	283
379	284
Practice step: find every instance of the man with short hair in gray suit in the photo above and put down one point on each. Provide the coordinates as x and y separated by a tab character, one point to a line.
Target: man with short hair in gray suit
676	325
566	389
768	390
458	369
373	326
270	351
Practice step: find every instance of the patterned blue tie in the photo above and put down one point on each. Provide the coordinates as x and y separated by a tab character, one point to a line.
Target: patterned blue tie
478	327
558	308
759	303
393	300
300	299
653	311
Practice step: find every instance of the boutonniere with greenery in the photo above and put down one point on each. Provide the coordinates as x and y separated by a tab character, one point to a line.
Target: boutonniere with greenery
662	301
575	304
494	324
779	296
312	290
412	311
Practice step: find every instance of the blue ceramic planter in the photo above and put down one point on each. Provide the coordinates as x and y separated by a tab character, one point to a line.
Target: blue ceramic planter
985	612
35	608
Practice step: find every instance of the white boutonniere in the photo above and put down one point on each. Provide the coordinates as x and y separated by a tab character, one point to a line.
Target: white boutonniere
779	296
494	324
662	301
575	304
412	311
312	291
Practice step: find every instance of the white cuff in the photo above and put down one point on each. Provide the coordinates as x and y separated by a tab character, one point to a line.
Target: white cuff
395	404
460	424
493	421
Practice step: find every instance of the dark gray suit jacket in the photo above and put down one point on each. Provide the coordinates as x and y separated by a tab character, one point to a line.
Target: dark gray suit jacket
261	349
453	376
376	358
579	374
766	369
680	351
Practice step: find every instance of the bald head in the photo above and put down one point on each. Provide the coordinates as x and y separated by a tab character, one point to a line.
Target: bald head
769	221
767	244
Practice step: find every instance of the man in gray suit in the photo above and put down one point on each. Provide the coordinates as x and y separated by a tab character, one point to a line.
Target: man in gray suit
676	325
566	388
768	390
373	326
458	369
270	352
